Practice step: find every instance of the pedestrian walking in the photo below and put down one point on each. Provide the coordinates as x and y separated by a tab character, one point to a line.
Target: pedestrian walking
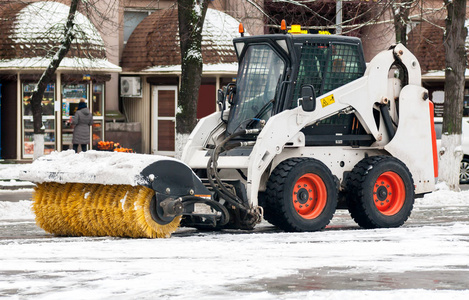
82	121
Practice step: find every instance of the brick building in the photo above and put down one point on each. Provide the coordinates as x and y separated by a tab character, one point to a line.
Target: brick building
131	82
126	69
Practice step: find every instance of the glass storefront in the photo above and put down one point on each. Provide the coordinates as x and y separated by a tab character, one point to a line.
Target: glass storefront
92	93
97	106
48	119
71	96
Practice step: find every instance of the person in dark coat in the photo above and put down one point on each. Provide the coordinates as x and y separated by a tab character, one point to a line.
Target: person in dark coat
82	121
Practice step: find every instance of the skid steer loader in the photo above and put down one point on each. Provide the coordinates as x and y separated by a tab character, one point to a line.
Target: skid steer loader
307	128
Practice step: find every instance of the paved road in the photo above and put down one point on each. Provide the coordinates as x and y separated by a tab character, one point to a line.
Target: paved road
15	196
25	194
427	258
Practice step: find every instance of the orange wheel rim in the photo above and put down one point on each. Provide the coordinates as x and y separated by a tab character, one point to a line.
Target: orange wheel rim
309	196
389	193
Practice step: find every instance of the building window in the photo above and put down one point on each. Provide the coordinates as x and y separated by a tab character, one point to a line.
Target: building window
48	119
71	96
438	98
97	106
131	21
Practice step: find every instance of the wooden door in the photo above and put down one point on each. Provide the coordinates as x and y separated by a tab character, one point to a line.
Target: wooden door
164	103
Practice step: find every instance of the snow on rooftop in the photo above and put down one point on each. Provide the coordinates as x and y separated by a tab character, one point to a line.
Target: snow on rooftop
217	34
211	68
75	63
36	35
439	74
220	28
44	21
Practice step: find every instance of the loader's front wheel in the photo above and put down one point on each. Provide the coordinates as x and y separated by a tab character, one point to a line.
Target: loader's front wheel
380	192
301	195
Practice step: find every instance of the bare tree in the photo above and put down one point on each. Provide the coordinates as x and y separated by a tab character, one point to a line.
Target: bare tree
66	32
401	10
455	57
191	15
357	16
47	77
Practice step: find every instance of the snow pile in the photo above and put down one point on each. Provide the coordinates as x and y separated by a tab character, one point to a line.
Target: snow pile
9	173
16	210
444	197
89	167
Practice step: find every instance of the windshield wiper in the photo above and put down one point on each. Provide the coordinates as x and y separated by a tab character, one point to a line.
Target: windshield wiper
264	109
260	113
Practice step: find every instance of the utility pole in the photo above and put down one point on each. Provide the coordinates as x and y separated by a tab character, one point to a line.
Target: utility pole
338	17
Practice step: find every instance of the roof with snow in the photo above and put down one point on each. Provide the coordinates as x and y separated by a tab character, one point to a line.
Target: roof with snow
154	44
30	35
426	43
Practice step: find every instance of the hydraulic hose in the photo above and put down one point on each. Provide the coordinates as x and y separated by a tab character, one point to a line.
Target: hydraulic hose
387	120
212	166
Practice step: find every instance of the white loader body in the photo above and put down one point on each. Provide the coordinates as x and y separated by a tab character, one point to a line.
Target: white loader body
281	138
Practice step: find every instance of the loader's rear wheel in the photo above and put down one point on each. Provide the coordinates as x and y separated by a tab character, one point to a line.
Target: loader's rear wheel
380	192
301	195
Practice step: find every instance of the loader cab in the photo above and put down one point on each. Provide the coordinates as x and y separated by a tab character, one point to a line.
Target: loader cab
328	62
264	67
274	68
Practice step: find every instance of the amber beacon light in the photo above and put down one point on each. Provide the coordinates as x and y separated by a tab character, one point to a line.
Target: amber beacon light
241	29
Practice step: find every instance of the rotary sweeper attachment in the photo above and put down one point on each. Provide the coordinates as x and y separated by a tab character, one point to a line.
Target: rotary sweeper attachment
116	194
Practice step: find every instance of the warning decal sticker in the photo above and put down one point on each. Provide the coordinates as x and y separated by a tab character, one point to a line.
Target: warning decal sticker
327	100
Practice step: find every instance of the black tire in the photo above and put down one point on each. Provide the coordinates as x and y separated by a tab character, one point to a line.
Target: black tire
301	195
380	192
464	173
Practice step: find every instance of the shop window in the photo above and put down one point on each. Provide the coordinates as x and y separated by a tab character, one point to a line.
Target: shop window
438	98
93	94
97	106
48	119
98	100
71	96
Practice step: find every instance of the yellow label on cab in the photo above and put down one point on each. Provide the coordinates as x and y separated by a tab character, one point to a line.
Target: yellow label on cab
327	100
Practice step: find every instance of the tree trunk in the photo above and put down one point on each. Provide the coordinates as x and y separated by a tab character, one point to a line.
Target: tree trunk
455	57
191	15
47	77
400	10
38	142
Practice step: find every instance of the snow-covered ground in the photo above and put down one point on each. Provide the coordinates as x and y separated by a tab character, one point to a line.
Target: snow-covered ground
427	258
9	175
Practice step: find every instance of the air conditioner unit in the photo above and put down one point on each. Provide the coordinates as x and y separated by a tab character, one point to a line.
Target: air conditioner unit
131	87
